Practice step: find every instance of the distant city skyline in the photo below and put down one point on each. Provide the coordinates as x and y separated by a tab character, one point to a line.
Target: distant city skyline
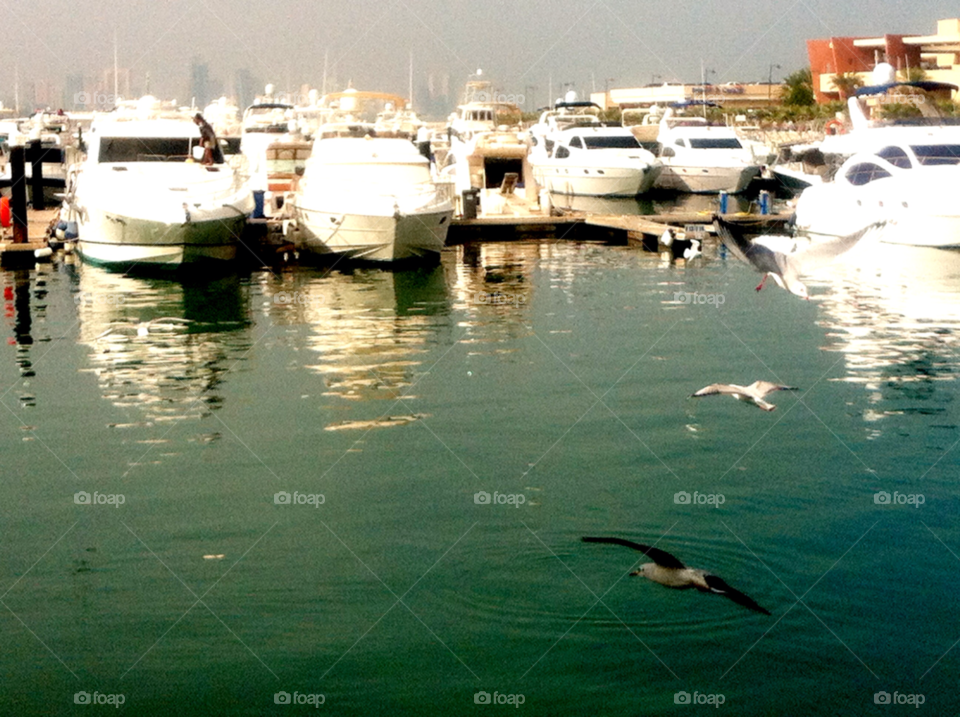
525	48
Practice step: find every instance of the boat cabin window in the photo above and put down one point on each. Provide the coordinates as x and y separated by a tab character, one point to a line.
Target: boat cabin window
481	116
150	149
865	172
625	142
681	143
575	142
715	143
929	154
562	152
896	156
548	143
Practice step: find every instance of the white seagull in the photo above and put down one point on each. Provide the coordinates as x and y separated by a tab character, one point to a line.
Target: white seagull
669	571
753	393
781	258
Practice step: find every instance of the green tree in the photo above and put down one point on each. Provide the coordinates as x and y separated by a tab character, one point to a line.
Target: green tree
914	74
798	89
847	83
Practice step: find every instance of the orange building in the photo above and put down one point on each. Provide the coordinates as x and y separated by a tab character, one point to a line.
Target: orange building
938	55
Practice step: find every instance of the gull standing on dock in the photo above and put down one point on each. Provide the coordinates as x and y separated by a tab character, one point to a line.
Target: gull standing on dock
667	570
779	256
753	393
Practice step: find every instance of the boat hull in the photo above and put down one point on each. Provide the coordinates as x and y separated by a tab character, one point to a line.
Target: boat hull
108	238
594	182
707	180
374	237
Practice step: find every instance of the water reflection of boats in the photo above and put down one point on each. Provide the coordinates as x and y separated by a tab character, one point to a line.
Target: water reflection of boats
894	312
160	346
369	327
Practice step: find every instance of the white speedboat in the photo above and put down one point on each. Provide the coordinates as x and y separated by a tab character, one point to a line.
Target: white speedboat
593	161
701	158
912	186
143	197
370	198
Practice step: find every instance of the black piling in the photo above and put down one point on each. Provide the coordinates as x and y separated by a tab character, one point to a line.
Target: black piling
35	156
18	194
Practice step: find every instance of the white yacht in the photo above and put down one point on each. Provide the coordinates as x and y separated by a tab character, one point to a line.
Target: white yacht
370	198
912	186
701	158
142	195
594	161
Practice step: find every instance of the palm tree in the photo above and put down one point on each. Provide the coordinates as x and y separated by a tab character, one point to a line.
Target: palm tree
798	89
847	83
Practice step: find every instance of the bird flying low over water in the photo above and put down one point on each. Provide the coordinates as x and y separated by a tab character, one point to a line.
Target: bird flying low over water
753	393
781	258
669	571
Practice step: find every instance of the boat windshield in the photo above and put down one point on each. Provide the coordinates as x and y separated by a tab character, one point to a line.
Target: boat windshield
929	154
896	156
149	149
625	142
715	143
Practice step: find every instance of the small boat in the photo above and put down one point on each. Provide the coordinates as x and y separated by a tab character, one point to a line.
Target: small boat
911	186
143	196
700	158
370	198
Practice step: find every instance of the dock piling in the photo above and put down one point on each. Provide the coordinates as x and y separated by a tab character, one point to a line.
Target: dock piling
18	194
35	156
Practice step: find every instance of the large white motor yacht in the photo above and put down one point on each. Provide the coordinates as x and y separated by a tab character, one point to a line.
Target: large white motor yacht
370	198
700	158
143	196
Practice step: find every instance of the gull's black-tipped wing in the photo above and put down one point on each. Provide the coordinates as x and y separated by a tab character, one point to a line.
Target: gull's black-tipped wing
660	557
760	257
765	387
720	587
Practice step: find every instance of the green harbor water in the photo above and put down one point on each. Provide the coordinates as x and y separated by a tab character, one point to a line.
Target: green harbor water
364	492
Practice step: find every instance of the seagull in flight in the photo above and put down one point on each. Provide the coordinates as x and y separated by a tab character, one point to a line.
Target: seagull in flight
667	570
753	393
780	256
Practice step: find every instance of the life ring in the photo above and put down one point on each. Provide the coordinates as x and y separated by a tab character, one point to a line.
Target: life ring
834	127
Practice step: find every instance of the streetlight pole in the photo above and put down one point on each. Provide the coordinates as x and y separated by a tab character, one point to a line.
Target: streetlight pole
770	83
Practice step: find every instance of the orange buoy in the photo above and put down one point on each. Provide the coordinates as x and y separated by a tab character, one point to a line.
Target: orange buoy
834	127
5	212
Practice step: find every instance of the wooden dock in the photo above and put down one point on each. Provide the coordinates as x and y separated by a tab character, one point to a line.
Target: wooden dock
37	224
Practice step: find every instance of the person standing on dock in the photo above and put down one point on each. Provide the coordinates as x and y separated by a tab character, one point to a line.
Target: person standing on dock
208	139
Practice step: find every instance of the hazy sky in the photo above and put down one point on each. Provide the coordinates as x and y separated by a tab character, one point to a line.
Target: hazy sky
518	44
